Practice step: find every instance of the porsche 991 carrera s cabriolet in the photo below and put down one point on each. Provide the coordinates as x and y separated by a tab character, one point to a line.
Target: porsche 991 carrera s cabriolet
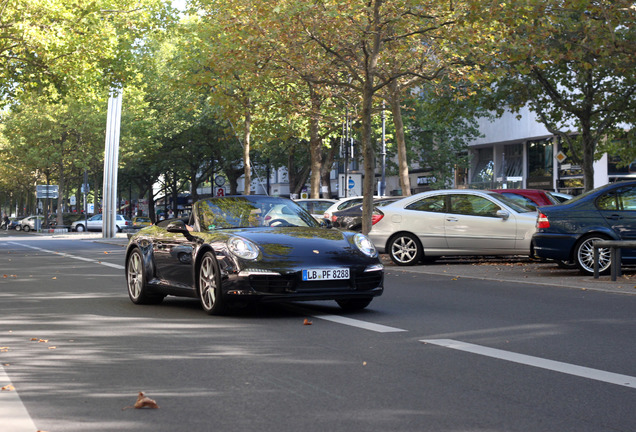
237	248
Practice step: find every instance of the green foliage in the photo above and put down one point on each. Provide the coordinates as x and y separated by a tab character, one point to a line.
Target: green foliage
439	127
573	64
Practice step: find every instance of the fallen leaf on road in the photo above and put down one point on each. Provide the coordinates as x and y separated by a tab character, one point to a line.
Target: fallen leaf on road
307	322
144	401
8	388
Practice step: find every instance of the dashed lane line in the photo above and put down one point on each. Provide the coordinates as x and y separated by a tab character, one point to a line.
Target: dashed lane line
567	368
378	328
14	415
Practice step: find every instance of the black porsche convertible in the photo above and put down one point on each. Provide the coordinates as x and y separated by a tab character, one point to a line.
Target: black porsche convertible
250	247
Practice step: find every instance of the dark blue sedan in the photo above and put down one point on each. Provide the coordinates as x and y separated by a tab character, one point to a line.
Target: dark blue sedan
566	232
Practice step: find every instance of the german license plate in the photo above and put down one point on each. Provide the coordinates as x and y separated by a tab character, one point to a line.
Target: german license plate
325	274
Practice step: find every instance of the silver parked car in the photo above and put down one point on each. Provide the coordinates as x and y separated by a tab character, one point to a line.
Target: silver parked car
453	222
30	223
95	223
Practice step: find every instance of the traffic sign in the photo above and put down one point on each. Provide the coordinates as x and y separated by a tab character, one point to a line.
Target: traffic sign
561	157
46	191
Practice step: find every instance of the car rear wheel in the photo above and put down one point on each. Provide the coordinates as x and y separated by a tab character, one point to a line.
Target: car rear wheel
352	305
405	249
210	285
584	255
136	280
79	228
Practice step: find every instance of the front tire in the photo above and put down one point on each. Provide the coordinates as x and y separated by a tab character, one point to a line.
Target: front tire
136	280
405	250
584	255
210	294
79	228
26	228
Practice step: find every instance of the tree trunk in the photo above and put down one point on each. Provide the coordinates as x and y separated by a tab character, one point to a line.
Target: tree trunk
315	143
368	183
327	163
403	166
589	148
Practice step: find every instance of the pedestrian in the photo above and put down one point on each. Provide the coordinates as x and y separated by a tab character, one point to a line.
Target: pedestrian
6	222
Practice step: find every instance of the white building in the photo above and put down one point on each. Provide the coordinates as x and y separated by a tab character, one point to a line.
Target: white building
522	153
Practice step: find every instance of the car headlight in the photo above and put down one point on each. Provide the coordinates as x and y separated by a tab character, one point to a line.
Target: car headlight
243	248
365	245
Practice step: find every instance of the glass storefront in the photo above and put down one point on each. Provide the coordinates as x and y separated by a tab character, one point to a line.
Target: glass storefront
540	164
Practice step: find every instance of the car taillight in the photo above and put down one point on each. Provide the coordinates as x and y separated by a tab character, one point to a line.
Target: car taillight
542	221
334	218
376	218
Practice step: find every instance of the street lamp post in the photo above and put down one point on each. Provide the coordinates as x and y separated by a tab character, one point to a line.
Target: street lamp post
111	161
383	181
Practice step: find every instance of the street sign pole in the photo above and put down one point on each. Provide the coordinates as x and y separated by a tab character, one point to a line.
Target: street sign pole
111	161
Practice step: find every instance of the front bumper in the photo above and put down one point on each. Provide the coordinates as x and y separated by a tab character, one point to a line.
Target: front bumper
290	287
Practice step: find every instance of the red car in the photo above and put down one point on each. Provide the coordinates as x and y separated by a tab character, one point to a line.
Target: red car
531	198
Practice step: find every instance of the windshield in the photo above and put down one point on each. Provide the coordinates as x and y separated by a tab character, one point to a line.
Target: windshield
250	211
511	203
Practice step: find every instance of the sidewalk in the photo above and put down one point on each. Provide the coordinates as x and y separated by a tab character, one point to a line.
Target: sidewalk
521	270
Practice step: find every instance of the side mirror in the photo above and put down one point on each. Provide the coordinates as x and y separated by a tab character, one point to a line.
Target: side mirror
503	214
177	226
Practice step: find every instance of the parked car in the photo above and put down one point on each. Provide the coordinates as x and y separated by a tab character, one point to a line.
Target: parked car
561	197
316	207
224	253
566	232
342	204
141	221
531	198
95	223
13	223
453	222
29	223
351	217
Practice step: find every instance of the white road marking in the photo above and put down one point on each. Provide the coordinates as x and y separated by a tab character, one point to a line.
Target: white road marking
14	415
581	371
107	264
357	323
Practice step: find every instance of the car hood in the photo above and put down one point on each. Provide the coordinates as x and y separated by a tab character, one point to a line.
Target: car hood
316	246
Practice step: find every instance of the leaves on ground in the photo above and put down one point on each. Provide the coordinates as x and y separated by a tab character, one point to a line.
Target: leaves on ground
8	387
143	401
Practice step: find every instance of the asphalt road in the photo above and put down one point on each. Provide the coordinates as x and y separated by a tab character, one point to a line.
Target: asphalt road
449	347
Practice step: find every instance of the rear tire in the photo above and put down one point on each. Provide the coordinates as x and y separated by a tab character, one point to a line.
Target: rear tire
405	249
584	255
